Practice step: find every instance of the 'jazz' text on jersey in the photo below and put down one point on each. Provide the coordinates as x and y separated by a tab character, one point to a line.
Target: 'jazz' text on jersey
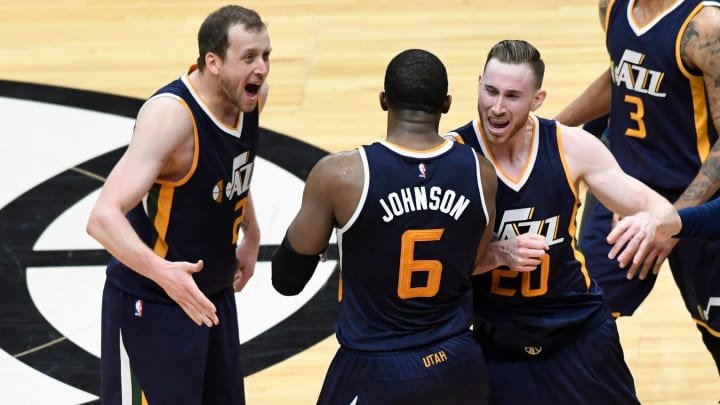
518	221
634	76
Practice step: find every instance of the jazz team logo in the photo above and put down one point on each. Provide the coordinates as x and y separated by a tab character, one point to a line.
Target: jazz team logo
52	273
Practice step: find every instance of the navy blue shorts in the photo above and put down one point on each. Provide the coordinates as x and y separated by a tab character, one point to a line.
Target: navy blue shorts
155	350
588	370
450	372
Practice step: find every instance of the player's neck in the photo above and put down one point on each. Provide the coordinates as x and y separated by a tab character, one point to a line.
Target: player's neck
415	140
414	130
213	97
644	11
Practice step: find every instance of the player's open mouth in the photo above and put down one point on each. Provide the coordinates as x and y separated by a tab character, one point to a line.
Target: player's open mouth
252	88
496	124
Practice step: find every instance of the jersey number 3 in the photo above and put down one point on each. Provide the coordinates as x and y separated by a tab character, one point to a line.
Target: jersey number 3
408	265
636	116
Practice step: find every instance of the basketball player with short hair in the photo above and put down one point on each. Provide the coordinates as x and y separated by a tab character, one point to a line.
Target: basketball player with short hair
177	216
412	215
546	331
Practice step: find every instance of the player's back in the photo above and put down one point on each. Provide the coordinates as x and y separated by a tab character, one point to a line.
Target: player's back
408	251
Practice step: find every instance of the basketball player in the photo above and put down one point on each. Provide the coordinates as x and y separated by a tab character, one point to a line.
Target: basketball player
177	216
412	215
663	95
547	334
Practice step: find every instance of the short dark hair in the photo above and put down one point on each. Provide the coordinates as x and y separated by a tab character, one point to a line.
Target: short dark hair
517	52
416	80
213	33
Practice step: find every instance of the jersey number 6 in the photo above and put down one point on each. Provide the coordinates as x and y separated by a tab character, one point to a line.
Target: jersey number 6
408	265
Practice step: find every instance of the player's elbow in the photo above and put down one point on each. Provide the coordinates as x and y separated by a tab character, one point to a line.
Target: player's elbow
94	224
285	283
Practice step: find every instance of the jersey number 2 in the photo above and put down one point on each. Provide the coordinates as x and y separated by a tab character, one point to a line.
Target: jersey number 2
408	265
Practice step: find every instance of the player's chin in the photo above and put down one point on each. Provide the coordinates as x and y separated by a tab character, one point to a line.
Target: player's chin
247	103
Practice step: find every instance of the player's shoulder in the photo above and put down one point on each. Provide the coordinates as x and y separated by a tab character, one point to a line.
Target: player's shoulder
337	166
707	18
698	46
340	158
576	140
164	114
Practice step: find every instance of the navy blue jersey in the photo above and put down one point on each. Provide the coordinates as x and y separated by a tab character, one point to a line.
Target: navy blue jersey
532	309
660	127
408	251
198	216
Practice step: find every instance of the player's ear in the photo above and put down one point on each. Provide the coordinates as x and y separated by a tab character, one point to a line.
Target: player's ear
383	101
538	100
446	104
213	62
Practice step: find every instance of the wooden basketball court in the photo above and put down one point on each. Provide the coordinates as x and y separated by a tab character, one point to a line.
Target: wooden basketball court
327	69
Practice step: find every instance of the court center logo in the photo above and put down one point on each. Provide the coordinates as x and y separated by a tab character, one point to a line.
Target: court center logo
58	145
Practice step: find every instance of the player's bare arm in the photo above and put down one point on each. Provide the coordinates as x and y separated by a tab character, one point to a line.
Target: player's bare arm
331	194
700	48
591	162
248	247
602	11
594	101
158	150
489	183
522	253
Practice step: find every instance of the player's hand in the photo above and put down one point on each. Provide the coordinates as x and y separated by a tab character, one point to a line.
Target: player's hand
178	283
524	253
631	237
653	260
634	244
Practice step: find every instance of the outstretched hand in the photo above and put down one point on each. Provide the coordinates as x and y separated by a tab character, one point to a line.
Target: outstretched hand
181	287
634	244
